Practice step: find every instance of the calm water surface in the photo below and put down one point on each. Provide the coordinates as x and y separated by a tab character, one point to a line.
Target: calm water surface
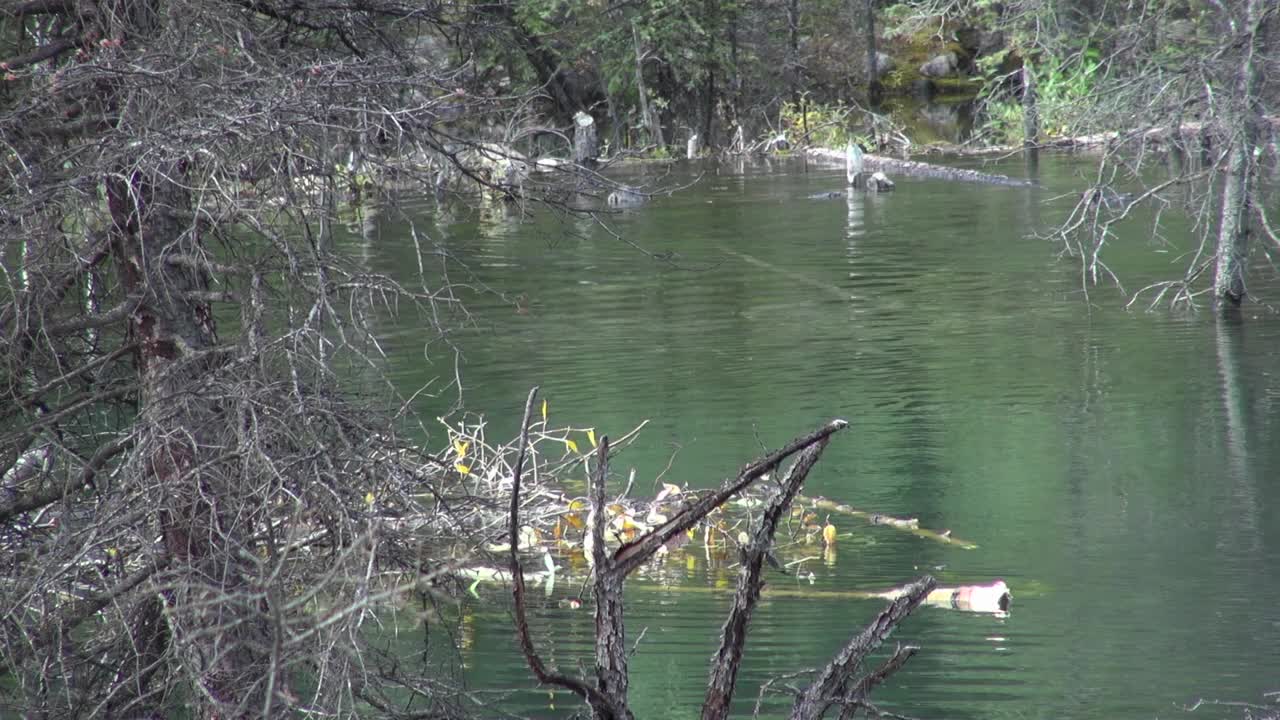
1119	469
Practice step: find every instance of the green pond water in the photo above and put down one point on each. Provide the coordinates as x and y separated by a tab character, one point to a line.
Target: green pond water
1119	469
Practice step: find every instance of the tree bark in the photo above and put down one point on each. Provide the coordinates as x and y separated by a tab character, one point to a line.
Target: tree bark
1237	189
612	676
735	76
711	20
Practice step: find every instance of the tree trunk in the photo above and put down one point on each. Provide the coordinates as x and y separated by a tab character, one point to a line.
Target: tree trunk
708	109
1030	111
1233	228
544	61
650	117
735	77
793	51
875	90
174	329
712	21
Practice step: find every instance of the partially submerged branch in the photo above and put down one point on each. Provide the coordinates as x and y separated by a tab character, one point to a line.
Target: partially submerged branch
600	703
727	660
633	554
828	688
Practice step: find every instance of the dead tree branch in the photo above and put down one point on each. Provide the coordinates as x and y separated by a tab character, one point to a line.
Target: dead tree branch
601	704
727	660
636	553
828	688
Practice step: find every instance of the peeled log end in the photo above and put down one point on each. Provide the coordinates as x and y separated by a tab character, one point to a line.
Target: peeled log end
879	182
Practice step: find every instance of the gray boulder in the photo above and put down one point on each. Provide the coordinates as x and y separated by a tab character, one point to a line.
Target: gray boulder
990	42
884	66
625	197
941	66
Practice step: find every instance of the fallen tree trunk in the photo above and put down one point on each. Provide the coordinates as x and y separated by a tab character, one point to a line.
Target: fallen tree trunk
1188	134
919	169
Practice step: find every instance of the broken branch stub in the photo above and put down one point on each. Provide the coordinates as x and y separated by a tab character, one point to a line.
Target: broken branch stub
611	640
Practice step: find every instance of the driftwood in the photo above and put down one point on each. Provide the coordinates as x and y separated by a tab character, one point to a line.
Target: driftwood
607	696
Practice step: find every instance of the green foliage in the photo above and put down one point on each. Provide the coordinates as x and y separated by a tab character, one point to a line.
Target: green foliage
660	153
818	124
1002	121
1064	90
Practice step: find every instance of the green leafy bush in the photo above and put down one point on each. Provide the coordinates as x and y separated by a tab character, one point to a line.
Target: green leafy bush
1063	88
818	124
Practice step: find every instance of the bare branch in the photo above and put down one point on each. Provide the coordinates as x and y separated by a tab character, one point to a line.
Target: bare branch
599	702
826	689
728	658
635	553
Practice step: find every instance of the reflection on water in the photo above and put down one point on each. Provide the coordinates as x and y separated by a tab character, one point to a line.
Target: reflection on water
1117	469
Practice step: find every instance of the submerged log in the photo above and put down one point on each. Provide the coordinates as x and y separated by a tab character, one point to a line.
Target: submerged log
993	597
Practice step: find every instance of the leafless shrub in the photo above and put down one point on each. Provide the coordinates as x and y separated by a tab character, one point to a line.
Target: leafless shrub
205	499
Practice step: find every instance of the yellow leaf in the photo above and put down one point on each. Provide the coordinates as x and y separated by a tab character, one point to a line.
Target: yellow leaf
368	498
571	445
668	490
465	470
575	520
577	505
461	448
591	435
544	412
829	534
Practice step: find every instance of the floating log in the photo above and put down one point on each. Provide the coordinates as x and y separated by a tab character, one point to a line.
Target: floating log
919	169
911	525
